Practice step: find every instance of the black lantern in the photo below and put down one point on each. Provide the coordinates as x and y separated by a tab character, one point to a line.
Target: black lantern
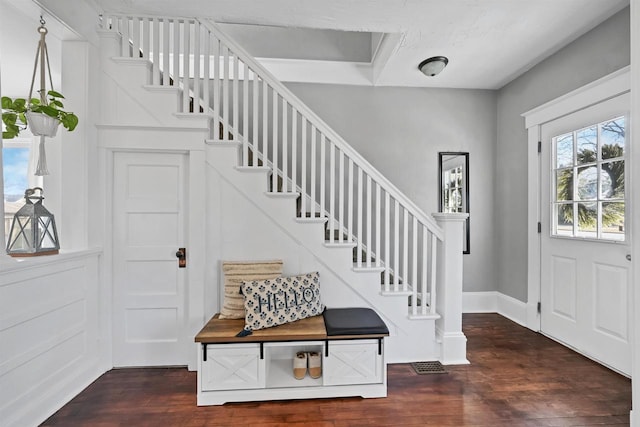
33	229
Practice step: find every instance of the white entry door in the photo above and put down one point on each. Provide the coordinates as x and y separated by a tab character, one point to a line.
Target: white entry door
585	287
149	288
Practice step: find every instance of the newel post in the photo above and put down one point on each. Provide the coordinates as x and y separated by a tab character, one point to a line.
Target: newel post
449	290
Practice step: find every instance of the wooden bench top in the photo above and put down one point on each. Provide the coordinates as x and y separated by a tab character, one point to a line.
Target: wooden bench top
224	330
310	329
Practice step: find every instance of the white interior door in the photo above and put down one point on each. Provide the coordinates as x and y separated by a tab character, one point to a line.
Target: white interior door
149	288
585	287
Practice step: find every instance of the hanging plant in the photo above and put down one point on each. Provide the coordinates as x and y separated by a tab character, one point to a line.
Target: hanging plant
17	114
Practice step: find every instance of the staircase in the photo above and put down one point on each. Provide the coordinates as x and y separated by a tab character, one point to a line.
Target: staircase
379	248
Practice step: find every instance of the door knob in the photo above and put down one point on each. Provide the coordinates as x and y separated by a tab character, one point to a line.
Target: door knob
628	257
182	257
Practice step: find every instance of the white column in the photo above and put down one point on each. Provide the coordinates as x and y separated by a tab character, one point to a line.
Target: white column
449	290
72	168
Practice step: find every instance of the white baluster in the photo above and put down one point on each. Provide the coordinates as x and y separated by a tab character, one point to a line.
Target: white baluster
312	183
185	67
350	200
294	149
285	143
196	68
303	170
176	52
332	191
387	220
225	92
146	38
405	250
216	89
341	196
166	32
236	96
265	122
124	40
322	175
275	143
359	219
368	212
155	62
396	245
414	266
377	212
135	51
433	257
206	59
425	268
255	141
245	115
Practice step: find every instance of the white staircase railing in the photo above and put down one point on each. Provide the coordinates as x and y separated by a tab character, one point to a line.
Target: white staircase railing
249	105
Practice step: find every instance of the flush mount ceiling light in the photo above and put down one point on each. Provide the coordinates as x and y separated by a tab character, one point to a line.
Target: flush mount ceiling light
432	66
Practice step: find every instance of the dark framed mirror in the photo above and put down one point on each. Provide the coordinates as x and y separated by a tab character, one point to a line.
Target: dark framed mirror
453	173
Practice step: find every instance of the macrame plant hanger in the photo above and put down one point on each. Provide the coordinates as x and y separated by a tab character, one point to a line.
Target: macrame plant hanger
42	56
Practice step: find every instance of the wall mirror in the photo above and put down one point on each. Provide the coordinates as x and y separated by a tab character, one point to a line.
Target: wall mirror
453	170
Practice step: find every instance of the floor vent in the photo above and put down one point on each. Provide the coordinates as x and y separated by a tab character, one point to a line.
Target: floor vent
423	368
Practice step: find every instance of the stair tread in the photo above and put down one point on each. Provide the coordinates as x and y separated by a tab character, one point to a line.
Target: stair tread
218	141
427	316
123	59
339	245
162	88
221	143
253	168
312	220
364	268
194	115
283	195
396	293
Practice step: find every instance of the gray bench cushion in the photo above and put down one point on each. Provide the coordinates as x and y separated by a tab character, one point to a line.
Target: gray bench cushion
353	321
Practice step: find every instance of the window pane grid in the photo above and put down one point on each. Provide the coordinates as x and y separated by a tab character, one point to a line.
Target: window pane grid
588	179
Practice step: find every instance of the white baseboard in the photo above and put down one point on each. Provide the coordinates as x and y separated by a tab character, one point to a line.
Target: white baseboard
495	302
44	402
480	302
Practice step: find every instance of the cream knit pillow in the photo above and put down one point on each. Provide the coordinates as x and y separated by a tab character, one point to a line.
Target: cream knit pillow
235	272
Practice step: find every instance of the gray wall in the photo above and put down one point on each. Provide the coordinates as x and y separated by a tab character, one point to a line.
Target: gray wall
599	52
400	132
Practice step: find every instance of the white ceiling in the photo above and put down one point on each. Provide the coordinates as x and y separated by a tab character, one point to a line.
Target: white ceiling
488	42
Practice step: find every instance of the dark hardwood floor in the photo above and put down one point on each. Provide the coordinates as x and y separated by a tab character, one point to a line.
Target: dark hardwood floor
516	378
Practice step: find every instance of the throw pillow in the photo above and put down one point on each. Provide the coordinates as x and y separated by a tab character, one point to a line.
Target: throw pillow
281	300
237	271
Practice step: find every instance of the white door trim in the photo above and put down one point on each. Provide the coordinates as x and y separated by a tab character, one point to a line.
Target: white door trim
635	199
609	86
196	224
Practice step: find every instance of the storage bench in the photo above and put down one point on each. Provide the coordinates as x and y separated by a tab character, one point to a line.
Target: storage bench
260	366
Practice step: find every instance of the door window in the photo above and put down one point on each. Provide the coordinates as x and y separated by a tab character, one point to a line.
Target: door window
589	182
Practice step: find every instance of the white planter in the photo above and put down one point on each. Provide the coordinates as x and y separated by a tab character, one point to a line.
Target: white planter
42	125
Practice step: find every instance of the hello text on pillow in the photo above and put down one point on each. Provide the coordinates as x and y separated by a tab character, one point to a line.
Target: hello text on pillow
281	300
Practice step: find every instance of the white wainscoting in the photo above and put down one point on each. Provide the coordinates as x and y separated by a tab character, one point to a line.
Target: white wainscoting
49	334
495	302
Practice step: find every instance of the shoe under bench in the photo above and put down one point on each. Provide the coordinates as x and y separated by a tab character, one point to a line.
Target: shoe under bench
259	367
